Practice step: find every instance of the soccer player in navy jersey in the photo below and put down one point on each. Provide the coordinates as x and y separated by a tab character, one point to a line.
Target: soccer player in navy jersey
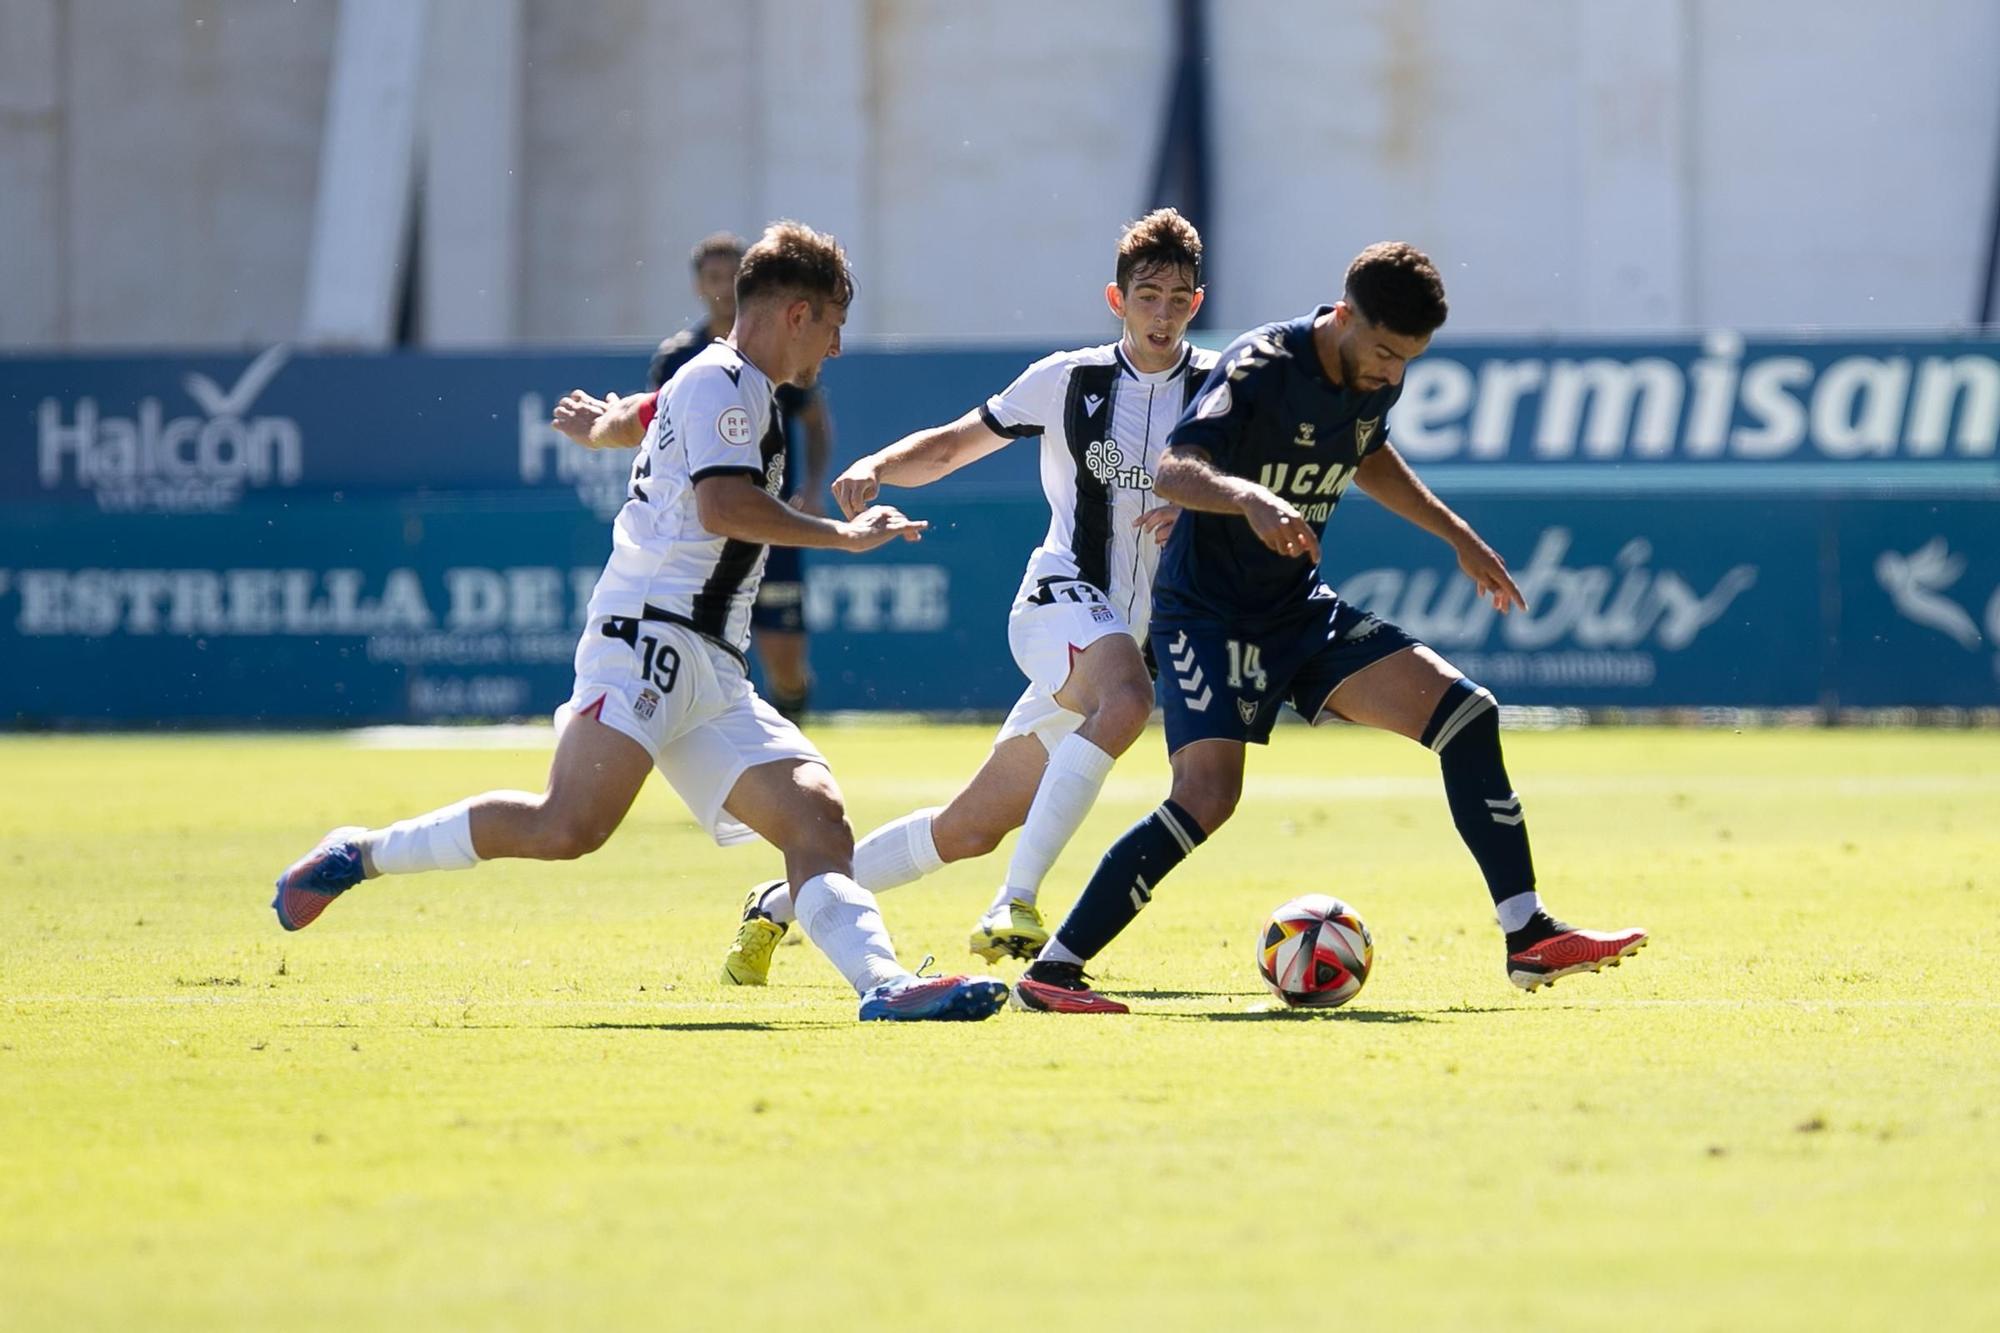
1242	622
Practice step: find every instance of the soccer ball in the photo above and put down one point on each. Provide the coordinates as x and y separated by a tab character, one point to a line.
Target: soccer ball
1315	952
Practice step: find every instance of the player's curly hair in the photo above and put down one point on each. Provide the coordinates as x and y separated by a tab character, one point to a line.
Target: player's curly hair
1395	286
792	259
717	245
1162	237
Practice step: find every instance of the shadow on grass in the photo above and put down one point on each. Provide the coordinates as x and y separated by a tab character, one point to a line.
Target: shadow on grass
702	1025
1279	1015
1184	994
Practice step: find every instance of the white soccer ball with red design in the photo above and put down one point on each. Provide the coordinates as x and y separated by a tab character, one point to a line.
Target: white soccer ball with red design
1315	952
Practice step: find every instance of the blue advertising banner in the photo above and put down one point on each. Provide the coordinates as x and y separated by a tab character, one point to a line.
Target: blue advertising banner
368	610
1629	602
287	539
1919	597
195	435
1720	401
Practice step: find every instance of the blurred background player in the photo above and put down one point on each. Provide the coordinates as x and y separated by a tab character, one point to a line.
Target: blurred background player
777	619
661	679
1243	623
1104	414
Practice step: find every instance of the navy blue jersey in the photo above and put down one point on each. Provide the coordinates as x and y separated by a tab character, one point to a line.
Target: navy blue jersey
1267	413
677	351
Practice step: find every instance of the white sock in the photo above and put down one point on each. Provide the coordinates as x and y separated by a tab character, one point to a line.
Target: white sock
840	917
1069	787
777	904
900	851
440	840
1054	952
1516	911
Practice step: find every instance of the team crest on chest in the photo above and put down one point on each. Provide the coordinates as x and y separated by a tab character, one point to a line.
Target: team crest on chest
1364	431
1304	439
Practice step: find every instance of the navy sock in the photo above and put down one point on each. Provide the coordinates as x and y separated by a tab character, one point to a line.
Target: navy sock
1124	881
1465	732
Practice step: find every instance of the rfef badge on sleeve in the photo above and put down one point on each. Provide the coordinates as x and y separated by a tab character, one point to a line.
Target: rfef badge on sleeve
734	426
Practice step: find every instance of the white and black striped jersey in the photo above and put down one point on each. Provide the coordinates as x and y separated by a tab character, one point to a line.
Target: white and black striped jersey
1104	425
714	418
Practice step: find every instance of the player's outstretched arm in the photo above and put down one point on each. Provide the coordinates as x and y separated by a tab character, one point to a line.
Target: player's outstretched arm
1187	478
916	460
735	506
602	423
1389	481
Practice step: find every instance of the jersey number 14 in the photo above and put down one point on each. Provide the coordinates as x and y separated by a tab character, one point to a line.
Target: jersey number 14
1246	663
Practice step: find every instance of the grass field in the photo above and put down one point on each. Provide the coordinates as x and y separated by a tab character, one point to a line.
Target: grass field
519	1098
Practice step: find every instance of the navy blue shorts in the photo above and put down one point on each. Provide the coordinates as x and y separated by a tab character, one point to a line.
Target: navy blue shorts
781	597
1220	681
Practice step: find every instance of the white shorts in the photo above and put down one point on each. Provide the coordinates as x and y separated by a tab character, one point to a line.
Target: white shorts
1046	638
688	703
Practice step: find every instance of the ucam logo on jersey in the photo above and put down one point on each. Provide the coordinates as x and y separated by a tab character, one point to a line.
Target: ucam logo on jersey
1313	488
166	459
1717	401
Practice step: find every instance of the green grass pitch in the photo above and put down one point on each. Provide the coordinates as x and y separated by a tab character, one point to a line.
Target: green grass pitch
519	1098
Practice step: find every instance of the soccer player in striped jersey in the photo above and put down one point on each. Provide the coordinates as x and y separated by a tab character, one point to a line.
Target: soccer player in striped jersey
660	674
1103	414
777	617
1243	623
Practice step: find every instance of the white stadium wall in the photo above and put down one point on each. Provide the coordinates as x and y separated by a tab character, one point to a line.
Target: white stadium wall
1576	165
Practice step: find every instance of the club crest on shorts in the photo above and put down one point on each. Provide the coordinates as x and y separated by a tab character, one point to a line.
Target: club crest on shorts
1101	614
647	704
1247	710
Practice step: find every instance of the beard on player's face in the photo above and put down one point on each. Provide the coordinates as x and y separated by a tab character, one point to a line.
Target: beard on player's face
1350	366
819	339
1363	367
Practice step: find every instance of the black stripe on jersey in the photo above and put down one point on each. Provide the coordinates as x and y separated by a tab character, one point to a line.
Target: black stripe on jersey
735	471
992	423
1195	377
710	607
1087	421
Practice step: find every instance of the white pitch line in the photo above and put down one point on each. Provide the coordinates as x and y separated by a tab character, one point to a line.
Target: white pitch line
1692	785
514	736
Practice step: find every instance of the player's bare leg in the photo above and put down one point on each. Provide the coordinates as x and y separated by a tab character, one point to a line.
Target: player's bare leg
1416	693
992	803
795	805
595	776
1109	688
787	670
987	809
1208	781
